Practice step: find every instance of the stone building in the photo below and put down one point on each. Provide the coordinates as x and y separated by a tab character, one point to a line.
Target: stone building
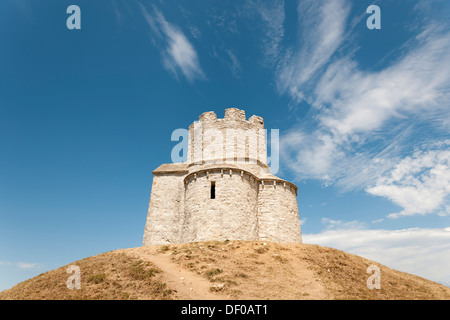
225	190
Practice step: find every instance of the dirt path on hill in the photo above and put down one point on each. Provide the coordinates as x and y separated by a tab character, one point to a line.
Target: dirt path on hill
278	274
307	282
188	285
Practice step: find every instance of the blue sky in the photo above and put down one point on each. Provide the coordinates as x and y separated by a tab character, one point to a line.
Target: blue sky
86	115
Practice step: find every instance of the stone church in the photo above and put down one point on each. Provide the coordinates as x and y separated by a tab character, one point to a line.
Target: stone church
225	190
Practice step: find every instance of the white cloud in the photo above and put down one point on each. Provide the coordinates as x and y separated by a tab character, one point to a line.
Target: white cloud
178	54
339	224
420	251
273	16
229	59
321	28
195	32
310	156
420	183
363	101
235	66
21	265
26	265
361	122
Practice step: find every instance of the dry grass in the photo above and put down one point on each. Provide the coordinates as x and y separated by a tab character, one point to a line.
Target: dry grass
345	277
106	276
258	270
240	269
234	269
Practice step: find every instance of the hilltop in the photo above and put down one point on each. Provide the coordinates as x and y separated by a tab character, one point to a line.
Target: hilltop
227	270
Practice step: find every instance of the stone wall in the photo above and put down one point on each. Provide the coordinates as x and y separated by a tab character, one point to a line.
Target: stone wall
231	215
278	218
166	209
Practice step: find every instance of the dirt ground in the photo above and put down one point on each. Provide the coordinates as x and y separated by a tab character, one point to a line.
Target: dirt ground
249	270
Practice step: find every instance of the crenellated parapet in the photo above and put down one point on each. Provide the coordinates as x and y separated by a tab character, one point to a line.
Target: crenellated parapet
232	139
232	115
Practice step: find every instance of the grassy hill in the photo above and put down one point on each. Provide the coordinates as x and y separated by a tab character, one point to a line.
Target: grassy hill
227	270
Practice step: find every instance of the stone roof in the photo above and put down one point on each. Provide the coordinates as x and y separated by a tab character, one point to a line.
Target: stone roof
171	168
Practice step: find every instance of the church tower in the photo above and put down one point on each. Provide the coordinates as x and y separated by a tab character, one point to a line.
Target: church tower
225	190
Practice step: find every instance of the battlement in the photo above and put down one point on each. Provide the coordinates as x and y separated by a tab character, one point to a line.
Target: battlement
234	114
230	139
207	117
231	115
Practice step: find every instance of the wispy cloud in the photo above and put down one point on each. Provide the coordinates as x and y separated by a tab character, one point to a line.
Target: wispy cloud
273	16
361	101
27	265
178	54
322	30
235	65
419	183
227	57
356	108
339	224
361	122
421	251
117	13
21	265
195	32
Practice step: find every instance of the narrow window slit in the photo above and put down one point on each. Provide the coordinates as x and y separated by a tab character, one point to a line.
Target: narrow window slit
213	189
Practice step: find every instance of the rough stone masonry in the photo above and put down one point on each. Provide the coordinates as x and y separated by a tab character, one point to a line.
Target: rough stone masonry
225	190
